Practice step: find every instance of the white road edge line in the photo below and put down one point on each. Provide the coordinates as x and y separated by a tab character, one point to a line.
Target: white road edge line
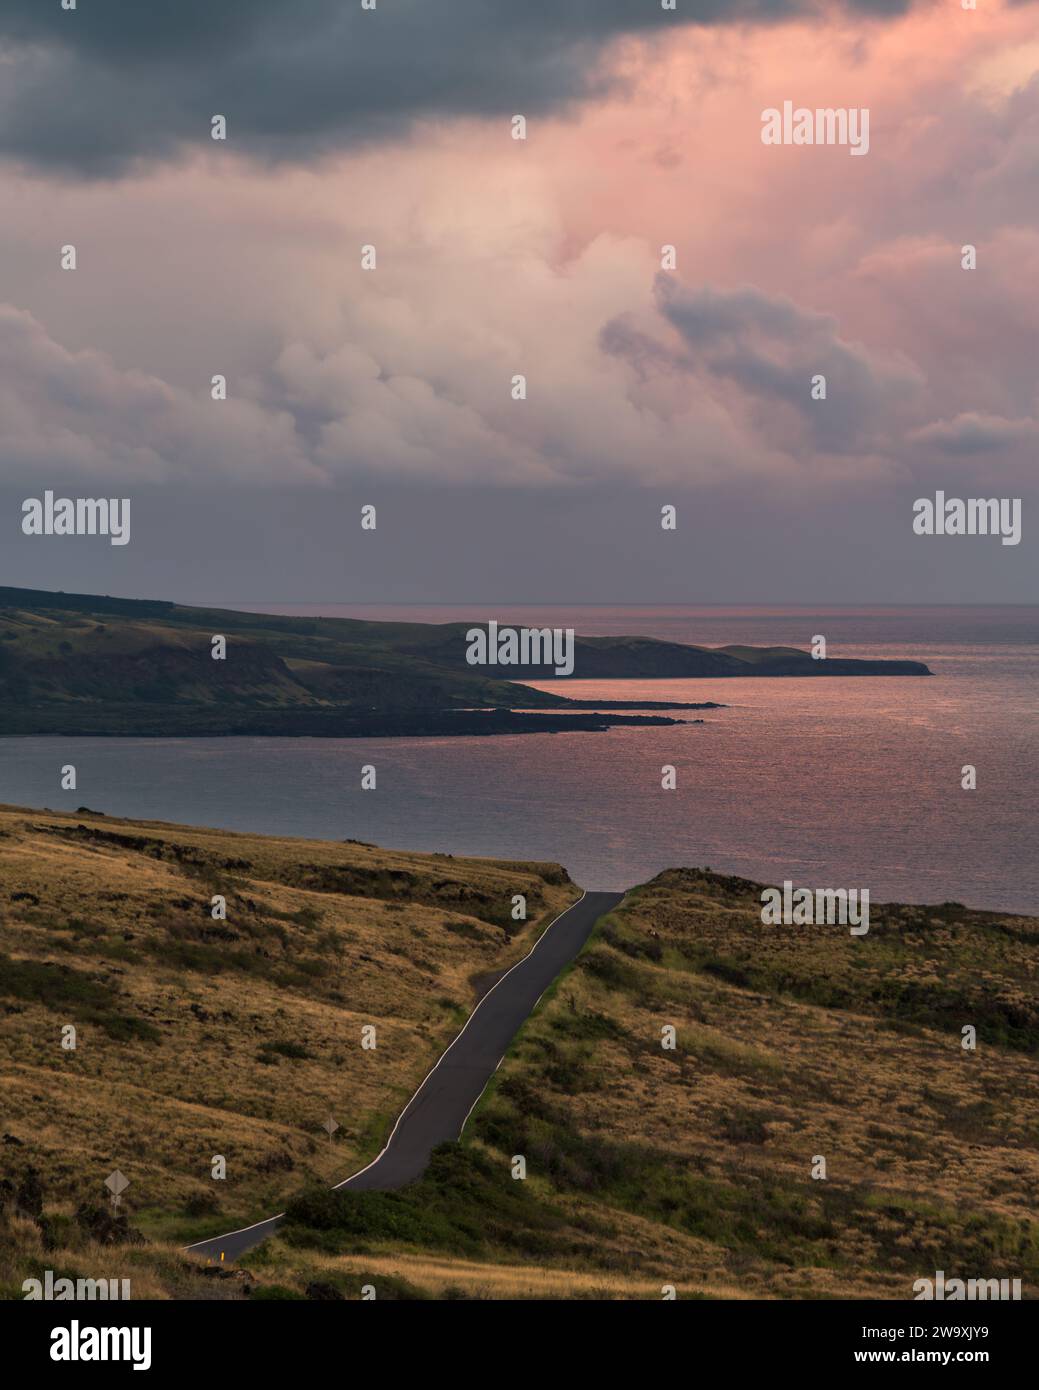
336	1186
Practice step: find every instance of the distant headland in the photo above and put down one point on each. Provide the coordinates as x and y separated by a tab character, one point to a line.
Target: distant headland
84	664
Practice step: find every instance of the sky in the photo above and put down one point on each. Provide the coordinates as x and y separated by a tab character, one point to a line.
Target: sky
647	385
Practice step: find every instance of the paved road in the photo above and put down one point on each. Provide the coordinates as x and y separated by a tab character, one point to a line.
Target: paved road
440	1107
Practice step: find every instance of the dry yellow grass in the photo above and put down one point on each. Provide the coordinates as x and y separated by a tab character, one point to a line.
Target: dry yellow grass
690	1167
704	1155
156	1270
443	1276
107	925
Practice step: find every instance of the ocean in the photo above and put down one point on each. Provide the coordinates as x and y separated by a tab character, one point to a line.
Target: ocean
829	782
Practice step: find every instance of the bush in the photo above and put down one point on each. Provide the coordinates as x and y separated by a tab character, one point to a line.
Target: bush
463	1202
285	1049
744	1127
319	1292
58	1232
106	1227
201	1204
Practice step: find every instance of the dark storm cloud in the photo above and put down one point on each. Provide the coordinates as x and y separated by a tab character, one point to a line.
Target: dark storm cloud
972	433
770	347
92	90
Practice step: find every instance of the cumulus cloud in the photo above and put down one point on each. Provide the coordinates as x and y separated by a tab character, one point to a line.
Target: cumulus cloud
684	386
769	350
92	91
406	385
497	259
76	414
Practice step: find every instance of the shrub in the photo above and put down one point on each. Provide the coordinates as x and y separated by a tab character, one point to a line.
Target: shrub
744	1127
284	1049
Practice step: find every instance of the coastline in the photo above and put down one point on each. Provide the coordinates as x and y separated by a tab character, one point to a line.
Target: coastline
181	722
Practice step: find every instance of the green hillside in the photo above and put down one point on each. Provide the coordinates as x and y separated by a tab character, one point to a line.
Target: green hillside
77	663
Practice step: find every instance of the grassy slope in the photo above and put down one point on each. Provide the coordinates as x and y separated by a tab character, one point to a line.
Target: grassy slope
692	1167
139	663
199	1037
648	1167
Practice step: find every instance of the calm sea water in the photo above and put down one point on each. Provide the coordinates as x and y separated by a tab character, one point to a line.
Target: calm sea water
828	782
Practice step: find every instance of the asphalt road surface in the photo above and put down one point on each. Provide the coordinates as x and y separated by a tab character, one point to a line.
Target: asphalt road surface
440	1107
